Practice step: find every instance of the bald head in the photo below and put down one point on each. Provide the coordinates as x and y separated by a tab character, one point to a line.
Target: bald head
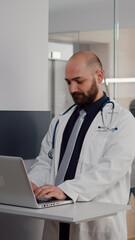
88	58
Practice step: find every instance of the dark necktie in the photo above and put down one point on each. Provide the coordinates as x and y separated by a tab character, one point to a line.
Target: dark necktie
69	149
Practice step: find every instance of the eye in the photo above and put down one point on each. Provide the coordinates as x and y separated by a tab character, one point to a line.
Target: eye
68	81
79	81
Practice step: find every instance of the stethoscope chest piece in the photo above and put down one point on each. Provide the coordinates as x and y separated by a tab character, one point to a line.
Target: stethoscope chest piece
50	153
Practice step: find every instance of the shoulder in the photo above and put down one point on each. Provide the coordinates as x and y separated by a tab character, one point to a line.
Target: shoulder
122	112
124	117
63	115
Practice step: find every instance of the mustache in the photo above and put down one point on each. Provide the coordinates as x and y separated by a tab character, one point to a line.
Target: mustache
76	94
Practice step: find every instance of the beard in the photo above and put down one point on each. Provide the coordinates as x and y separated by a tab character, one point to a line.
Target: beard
82	99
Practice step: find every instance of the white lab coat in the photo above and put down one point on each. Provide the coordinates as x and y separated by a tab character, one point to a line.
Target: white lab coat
103	172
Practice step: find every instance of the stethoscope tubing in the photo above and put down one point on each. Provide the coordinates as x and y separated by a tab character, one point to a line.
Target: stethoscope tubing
107	128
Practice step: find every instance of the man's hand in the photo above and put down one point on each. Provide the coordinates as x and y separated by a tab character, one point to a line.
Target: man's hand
49	191
34	186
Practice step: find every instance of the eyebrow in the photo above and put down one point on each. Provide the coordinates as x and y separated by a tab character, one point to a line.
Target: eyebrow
73	78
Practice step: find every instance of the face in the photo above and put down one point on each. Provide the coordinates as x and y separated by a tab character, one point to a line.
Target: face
85	98
81	83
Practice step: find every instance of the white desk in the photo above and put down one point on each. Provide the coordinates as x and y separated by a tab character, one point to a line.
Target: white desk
25	223
71	213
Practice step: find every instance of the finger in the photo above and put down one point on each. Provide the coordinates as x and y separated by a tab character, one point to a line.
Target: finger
42	192
56	194
47	193
34	186
40	189
50	195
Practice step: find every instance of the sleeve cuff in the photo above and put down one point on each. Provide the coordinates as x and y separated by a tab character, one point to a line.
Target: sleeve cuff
70	194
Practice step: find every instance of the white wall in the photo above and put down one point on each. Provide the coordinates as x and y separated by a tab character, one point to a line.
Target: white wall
23	55
23	81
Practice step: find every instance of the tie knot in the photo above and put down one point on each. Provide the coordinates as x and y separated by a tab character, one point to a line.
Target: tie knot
82	113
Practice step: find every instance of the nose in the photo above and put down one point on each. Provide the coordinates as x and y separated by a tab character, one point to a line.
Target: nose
73	87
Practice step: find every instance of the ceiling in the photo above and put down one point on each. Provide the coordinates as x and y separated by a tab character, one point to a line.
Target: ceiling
55	5
85	15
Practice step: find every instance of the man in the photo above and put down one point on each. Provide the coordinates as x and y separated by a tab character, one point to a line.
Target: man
99	168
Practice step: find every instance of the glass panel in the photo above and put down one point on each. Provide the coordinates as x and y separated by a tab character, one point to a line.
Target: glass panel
64	43
60	98
99	38
101	43
125	92
61	48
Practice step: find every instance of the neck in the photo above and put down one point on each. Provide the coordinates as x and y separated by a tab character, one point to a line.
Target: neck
98	96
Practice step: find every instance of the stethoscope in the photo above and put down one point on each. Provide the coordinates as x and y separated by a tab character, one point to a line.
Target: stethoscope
50	153
102	128
107	127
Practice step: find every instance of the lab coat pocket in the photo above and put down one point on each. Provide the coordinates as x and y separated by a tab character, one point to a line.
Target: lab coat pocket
94	148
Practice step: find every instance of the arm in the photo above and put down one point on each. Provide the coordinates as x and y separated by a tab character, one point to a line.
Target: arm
40	171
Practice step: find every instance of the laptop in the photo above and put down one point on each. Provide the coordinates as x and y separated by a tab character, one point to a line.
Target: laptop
15	188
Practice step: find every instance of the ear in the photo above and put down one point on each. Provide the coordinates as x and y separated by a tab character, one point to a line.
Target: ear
99	76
